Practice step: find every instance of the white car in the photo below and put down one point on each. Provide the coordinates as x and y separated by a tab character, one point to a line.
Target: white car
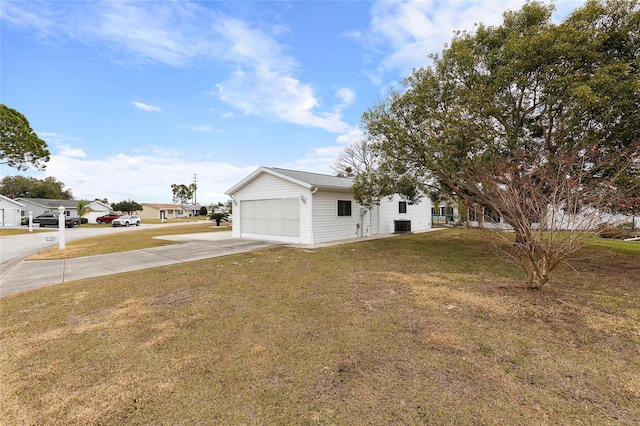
126	220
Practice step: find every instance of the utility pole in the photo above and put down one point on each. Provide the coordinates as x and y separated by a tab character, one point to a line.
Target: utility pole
195	189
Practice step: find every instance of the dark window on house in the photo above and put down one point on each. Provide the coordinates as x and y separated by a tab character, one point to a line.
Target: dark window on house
402	207
473	214
491	215
344	208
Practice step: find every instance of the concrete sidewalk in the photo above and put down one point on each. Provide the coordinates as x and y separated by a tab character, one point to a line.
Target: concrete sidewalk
27	275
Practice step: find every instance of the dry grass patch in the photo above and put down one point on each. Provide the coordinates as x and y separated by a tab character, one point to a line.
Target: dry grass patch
420	329
123	241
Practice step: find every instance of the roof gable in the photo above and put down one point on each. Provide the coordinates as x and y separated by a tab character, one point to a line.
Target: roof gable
304	179
100	203
9	200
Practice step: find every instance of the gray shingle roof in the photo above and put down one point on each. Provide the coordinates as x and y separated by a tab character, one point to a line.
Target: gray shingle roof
316	179
51	203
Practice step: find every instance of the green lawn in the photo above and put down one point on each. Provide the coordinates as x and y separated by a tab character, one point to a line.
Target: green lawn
420	329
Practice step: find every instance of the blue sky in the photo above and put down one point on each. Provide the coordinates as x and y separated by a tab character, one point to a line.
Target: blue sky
134	96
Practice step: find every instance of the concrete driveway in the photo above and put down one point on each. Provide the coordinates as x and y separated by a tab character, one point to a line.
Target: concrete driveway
15	247
20	275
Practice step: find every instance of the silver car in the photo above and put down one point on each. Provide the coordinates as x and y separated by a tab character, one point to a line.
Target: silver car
126	220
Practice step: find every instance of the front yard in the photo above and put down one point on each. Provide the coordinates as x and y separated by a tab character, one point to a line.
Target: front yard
420	329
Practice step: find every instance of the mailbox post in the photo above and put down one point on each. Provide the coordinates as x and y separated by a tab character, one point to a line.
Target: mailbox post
30	221
61	242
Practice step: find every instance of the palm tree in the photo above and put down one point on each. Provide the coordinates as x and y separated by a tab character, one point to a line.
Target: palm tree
84	207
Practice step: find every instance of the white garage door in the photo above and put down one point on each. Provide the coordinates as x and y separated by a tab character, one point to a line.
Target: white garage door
278	217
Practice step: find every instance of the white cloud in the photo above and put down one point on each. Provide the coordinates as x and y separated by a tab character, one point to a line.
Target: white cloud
180	33
202	128
353	135
264	84
409	31
71	152
145	107
144	176
346	95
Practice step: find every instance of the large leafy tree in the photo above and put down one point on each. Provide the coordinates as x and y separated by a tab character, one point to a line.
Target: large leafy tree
29	187
19	144
529	119
127	206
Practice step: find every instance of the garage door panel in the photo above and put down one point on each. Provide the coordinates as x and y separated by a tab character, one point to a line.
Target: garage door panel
290	209
246	216
291	228
274	227
274	209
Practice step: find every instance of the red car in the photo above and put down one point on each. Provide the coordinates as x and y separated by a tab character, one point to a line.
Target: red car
108	218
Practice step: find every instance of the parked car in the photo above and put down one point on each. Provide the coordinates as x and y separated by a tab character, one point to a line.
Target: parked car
108	218
126	220
51	219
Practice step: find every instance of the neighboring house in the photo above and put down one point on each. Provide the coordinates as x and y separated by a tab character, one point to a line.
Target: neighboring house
96	209
308	208
162	211
560	219
446	213
43	205
191	209
10	212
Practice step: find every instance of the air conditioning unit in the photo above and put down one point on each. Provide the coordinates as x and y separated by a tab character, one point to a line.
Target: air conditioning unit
401	226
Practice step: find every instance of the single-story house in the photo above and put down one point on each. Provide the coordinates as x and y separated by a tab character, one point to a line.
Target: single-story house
557	218
10	212
162	211
96	209
43	205
191	209
308	208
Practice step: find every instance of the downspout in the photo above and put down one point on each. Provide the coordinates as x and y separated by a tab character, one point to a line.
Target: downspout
233	213
314	189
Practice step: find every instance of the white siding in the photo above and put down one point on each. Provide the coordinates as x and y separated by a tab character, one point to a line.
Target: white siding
9	213
328	226
34	208
318	218
98	210
268	187
419	214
